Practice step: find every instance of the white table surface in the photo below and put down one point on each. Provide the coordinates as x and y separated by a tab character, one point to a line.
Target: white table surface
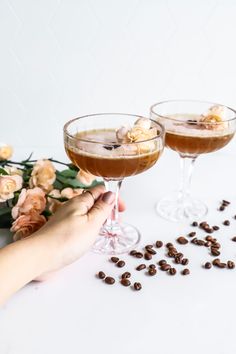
76	313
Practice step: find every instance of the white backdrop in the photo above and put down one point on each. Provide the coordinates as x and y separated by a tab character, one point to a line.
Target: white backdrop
61	59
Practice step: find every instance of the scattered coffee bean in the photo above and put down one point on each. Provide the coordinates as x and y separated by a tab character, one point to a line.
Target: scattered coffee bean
151	251
209	238
195	223
138	255
159	244
178	260
125	282
215	252
152	271
152	266
207	265
171	254
114	259
221	208
207	244
179	255
101	275
226	223
184	261
216	261
148	246
186	271
141	267
109	280
165	267
209	230
215	228
126	275
137	286
226	202
133	253
221	265
169	245
120	264
234	216
147	256
230	265
172	271
216	245
200	242
192	234
234	239
182	240
203	224
194	240
161	262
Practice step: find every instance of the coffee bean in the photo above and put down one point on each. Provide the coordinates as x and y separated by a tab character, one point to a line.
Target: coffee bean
148	246
114	259
152	266
194	240
200	243
182	240
159	244
161	262
230	265
178	260
165	267
234	216
215	252
147	256
101	275
226	223
152	271
126	275
192	234
216	261
209	238
207	265
216	245
109	280
221	208
137	286
234	239
169	244
214	240
215	227
195	223
120	264
221	265
179	255
172	271
184	261
141	267
186	271
203	224
125	282
151	251
209	230
138	255
171	254
133	253
225	202
207	244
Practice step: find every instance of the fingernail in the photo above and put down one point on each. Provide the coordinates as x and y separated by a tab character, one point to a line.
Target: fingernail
108	197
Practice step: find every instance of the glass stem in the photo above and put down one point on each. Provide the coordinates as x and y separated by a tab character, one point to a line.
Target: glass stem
187	166
112	222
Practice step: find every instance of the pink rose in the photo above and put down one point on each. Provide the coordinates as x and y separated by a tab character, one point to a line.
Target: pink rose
43	175
31	199
9	185
5	152
70	192
85	177
25	225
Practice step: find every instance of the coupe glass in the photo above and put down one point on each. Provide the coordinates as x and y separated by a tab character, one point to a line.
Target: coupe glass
190	138
91	144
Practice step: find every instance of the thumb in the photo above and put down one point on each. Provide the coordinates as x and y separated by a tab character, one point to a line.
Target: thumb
102	208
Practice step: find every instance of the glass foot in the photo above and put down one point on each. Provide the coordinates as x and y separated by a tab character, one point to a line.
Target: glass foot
120	240
175	209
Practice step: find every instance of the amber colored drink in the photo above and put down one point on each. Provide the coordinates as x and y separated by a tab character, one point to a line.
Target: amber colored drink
193	139
111	160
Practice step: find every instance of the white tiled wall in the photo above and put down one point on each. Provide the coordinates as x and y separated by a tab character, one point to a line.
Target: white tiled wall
63	58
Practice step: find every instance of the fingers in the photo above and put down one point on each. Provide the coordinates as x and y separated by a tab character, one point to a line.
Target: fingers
121	205
102	209
84	202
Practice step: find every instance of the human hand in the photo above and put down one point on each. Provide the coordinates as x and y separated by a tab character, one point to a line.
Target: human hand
72	230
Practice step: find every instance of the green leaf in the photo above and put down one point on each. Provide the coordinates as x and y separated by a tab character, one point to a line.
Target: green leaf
73	167
68	173
46	213
58	185
74	183
3	172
